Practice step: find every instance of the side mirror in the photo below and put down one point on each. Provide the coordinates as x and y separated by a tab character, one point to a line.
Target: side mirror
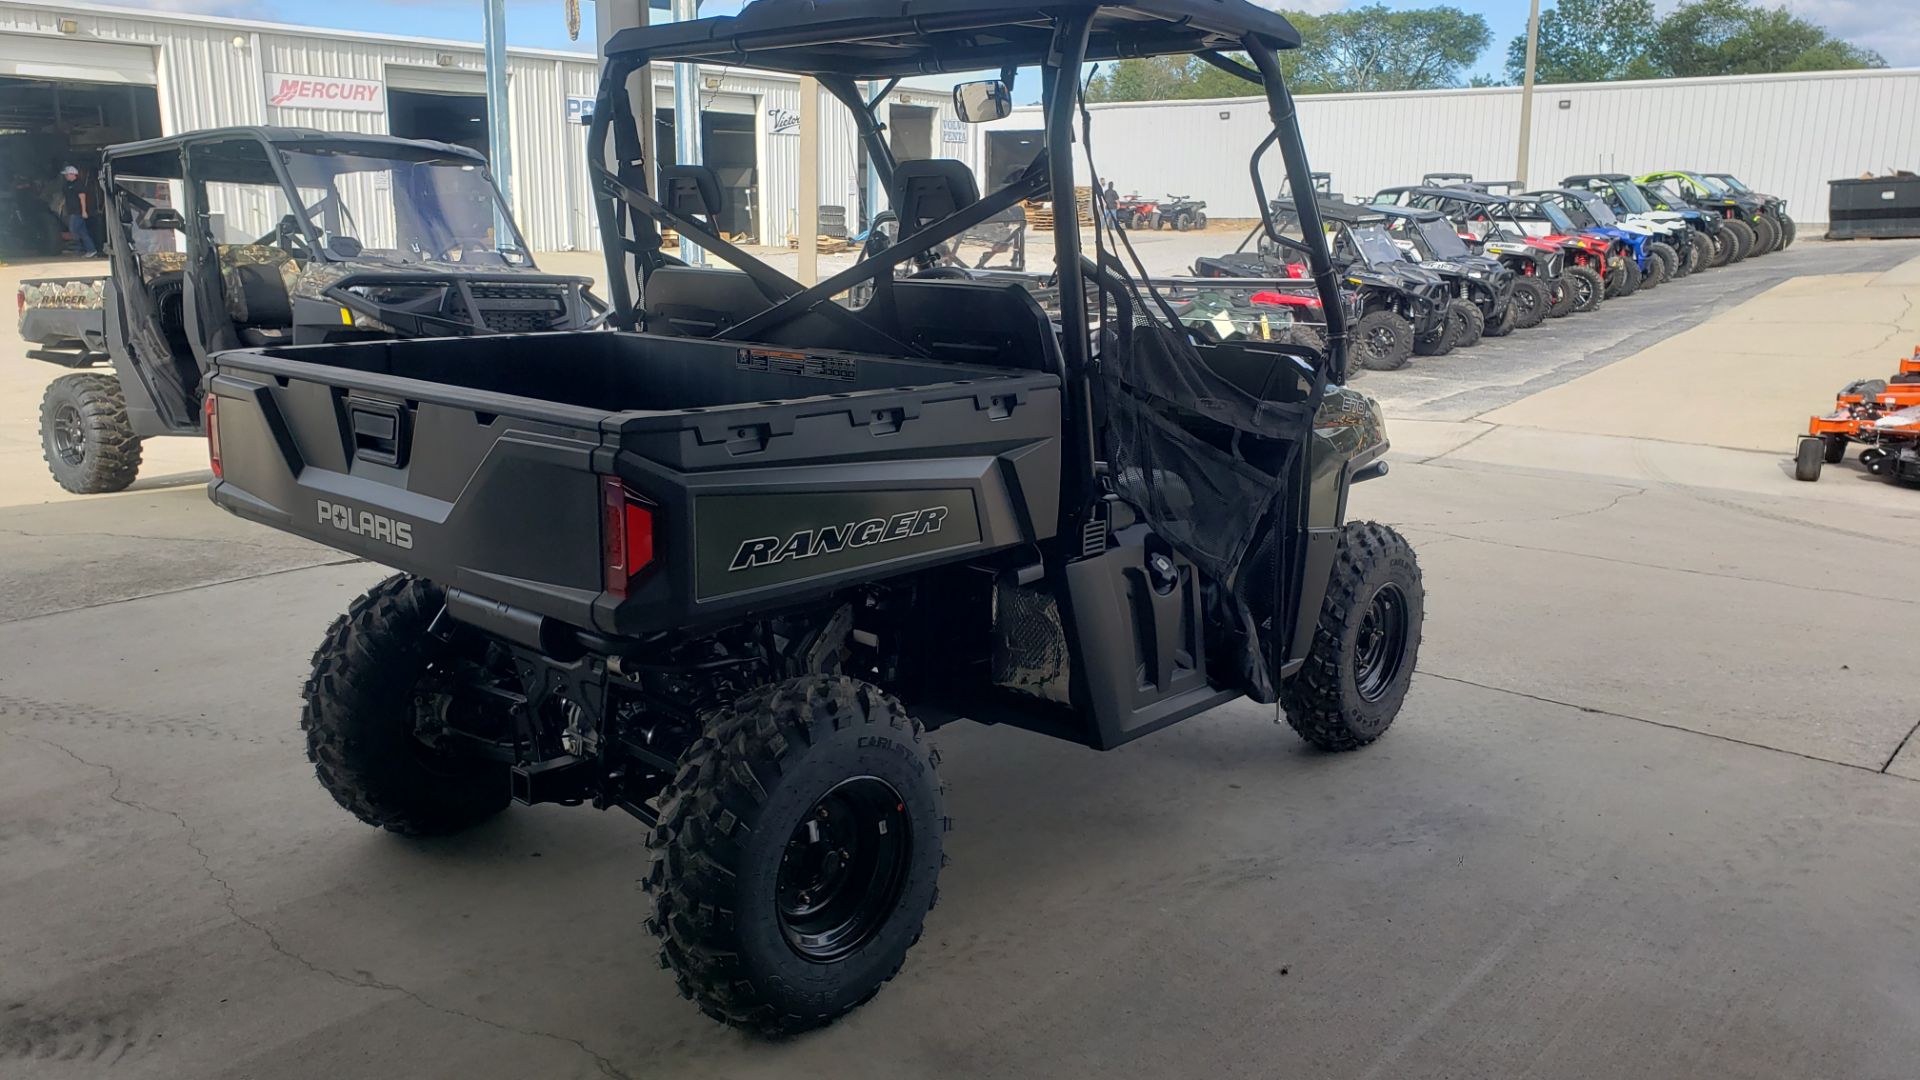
979	102
161	217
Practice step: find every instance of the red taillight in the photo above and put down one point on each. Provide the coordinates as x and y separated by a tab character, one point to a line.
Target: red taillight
1281	299
627	535
210	420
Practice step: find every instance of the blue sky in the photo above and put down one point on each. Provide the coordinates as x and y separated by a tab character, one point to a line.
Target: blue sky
1891	26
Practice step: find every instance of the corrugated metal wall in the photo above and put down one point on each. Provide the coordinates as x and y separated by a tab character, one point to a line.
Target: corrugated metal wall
1784	134
212	73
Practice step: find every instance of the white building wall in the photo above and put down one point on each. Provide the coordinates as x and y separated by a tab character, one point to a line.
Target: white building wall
1785	134
212	72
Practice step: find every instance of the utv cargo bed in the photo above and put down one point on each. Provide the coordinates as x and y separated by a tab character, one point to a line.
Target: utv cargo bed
568	475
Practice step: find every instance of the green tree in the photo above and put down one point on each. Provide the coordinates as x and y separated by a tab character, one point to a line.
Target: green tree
1734	37
1588	41
1376	48
1367	48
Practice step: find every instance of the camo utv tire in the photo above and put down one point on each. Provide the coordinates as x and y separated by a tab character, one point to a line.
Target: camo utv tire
797	854
85	437
1365	643
363	718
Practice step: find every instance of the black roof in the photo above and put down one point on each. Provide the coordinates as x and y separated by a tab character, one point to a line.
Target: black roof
1461	193
1416	213
1609	177
885	38
1337	210
167	165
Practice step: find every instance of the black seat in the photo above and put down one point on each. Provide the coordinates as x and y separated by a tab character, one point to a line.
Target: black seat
926	190
976	322
693	191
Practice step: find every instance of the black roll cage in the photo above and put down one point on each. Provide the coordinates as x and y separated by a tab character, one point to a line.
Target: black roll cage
886	39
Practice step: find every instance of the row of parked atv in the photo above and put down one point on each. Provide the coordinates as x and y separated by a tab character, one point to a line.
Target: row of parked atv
1437	266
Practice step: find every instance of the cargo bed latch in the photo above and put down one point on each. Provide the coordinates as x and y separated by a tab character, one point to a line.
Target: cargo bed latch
379	431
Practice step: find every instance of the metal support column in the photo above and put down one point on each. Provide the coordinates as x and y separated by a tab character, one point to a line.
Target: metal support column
499	125
1526	93
686	117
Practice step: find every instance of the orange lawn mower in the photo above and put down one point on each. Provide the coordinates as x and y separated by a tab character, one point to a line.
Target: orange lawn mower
1877	414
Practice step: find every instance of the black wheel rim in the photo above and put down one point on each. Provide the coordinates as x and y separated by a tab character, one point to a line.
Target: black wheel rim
1582	291
1381	646
69	435
1381	340
843	869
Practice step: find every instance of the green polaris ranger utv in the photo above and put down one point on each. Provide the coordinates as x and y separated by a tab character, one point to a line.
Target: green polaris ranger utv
723	569
251	236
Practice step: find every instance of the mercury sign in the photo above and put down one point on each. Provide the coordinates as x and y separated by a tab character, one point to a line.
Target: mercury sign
325	92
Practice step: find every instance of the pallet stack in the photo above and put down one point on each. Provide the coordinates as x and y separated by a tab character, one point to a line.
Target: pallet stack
825	245
1041	217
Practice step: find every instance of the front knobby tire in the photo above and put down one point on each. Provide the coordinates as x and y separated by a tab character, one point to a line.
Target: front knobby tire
1742	235
1561	298
1383	340
1365	643
85	436
364	719
797	854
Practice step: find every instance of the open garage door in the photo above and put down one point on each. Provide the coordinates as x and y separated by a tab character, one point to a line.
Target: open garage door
730	146
61	103
437	104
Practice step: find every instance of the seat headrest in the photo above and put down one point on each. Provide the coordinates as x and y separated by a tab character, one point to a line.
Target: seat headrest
691	190
926	190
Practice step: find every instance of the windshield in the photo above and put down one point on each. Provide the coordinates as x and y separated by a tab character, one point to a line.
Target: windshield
1630	197
1666	193
1733	183
1712	185
1555	215
1597	209
1440	240
1370	242
404	210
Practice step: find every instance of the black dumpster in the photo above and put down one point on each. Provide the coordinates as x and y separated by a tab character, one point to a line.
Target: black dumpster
1885	207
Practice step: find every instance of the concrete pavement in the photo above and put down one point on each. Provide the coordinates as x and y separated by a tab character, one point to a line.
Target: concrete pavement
1649	812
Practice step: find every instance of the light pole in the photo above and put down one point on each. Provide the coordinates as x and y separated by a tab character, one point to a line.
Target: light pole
686	117
499	127
1526	91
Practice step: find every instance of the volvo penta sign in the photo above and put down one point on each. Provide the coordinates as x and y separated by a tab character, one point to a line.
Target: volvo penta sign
325	92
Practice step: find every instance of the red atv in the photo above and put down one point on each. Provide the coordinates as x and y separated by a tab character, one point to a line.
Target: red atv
1137	212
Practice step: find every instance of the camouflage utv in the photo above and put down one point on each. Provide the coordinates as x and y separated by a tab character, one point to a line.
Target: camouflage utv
264	236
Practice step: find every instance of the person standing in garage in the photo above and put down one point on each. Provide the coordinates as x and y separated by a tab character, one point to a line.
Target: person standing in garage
76	209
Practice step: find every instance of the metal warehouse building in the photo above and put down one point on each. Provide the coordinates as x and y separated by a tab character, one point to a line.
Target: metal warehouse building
1785	134
76	77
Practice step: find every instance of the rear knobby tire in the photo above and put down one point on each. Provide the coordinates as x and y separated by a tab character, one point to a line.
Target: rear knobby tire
1561	298
362	714
1724	246
1383	340
1699	253
1469	323
85	436
1787	231
1743	238
1587	287
1509	319
1766	235
1669	258
1531	303
1339	700
733	846
1807	458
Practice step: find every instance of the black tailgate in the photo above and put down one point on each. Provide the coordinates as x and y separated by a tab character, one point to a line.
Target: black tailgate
488	492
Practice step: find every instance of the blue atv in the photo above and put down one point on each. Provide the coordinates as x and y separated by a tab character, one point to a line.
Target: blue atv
1631	264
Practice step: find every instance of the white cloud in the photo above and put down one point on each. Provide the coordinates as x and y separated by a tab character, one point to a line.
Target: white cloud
1891	29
